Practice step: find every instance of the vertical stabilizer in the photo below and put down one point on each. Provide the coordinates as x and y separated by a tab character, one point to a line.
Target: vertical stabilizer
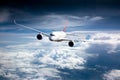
66	23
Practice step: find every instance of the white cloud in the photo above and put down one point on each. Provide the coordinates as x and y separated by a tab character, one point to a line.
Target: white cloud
96	18
62	59
110	38
106	36
112	75
38	58
15	63
20	58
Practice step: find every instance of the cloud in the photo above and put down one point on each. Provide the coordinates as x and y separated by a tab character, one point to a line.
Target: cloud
17	65
96	18
112	75
48	21
55	56
61	58
42	62
107	36
58	21
107	41
43	58
33	59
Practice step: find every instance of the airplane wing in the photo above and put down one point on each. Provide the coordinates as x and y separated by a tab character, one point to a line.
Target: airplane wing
31	29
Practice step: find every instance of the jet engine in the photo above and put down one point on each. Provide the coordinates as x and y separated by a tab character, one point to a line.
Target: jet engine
71	43
39	37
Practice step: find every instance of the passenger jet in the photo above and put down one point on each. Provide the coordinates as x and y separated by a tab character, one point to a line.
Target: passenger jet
56	36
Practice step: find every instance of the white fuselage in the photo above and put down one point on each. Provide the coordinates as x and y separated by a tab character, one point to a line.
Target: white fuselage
57	36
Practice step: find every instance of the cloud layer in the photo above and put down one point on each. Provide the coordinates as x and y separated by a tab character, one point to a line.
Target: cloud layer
57	21
112	75
43	58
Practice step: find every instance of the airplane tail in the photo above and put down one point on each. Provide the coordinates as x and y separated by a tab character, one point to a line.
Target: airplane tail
65	29
66	23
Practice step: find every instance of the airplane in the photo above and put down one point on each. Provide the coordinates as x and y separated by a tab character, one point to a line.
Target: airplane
56	36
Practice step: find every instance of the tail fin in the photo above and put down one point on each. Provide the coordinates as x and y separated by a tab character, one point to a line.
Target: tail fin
66	23
65	29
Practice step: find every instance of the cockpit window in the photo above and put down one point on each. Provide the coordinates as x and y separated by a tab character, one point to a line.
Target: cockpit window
52	35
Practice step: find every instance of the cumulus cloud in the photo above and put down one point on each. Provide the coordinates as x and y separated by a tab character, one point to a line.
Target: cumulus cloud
112	75
42	63
18	65
106	36
33	57
109	38
61	58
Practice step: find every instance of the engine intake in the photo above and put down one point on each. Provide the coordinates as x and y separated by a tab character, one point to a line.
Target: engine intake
39	36
71	43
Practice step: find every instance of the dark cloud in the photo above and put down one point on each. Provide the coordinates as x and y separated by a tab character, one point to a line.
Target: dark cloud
96	66
98	48
105	57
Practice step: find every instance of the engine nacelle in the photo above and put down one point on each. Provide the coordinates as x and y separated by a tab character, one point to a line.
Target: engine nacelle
39	37
71	43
